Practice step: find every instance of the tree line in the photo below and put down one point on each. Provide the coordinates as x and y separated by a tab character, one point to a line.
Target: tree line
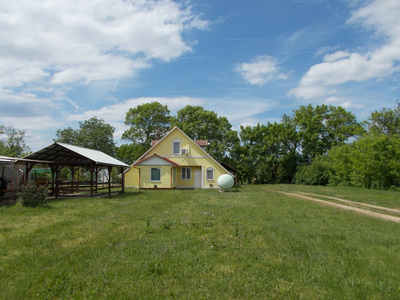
371	161
313	145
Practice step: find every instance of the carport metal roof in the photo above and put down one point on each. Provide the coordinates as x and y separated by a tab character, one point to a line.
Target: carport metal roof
6	160
66	154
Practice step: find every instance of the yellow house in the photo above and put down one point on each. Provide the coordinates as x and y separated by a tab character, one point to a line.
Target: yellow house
175	161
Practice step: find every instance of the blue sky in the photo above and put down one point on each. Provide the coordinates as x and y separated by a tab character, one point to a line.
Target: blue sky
251	61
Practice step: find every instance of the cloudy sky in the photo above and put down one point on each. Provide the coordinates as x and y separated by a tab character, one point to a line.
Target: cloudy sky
62	62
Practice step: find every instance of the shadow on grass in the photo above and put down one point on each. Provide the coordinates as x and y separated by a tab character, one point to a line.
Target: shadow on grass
15	203
88	198
127	194
7	202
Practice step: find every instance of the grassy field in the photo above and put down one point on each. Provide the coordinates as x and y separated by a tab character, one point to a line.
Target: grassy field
201	244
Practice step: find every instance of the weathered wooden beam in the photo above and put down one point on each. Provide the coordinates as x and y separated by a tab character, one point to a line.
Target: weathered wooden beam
91	179
109	169
122	180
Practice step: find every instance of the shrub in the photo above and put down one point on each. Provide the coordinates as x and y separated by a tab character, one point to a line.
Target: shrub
315	174
31	195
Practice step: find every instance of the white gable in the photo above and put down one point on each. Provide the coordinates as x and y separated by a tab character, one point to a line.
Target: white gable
155	161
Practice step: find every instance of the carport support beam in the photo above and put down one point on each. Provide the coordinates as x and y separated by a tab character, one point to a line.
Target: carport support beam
57	180
91	179
72	178
96	172
123	180
109	169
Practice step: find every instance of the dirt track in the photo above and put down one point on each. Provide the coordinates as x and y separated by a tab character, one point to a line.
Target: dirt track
341	206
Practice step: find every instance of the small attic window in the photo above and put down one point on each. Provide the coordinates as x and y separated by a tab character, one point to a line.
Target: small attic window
176	147
210	173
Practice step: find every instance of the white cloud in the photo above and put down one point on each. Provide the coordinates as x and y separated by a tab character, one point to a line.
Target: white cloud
17	77
30	101
326	49
38	141
82	41
345	103
49	47
343	67
262	69
336	56
31	123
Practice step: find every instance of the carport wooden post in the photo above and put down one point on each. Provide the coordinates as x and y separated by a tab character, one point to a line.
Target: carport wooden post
12	185
91	179
95	185
28	168
72	168
109	169
57	180
122	180
52	178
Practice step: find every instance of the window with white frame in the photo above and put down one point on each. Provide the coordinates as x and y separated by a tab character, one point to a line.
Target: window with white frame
176	147
210	173
185	173
155	174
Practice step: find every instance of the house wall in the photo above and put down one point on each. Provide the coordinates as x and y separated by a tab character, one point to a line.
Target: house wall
181	183
218	171
175	181
145	181
132	178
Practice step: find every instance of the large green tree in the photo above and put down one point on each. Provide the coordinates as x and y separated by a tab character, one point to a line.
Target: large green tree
12	141
322	127
93	134
385	121
147	122
128	153
268	153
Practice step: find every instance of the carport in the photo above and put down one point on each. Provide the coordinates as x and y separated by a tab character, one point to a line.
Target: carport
59	155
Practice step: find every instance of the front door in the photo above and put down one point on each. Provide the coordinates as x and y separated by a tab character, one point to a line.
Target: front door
197	178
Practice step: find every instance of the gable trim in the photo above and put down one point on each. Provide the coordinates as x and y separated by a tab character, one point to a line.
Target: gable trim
146	158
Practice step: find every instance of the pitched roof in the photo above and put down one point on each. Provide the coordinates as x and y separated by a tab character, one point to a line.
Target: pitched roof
65	153
166	159
200	143
228	167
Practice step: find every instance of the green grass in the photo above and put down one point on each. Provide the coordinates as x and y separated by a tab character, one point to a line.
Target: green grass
390	199
197	244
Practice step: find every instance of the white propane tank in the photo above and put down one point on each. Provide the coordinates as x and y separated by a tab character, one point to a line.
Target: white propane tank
225	181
